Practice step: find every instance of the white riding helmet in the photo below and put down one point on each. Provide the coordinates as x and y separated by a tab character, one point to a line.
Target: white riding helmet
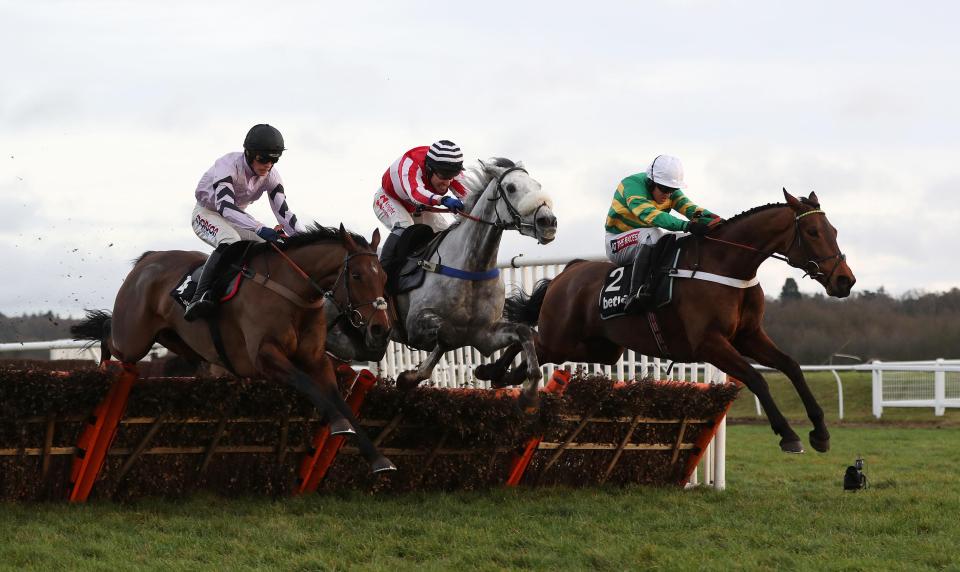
666	171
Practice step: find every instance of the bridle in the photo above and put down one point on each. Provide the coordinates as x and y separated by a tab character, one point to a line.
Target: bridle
515	222
812	266
351	311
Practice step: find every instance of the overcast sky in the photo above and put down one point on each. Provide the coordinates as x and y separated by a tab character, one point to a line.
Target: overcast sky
111	111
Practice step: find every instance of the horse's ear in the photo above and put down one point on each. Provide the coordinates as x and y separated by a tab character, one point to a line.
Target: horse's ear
491	167
346	240
792	200
520	165
375	241
813	198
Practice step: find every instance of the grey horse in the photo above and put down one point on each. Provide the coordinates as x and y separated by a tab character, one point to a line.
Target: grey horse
449	312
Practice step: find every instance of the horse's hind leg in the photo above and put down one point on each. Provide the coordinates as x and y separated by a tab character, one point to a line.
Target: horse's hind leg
718	351
503	334
759	346
496	371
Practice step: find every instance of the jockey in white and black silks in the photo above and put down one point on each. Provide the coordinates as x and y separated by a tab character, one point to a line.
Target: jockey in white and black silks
640	215
416	183
225	190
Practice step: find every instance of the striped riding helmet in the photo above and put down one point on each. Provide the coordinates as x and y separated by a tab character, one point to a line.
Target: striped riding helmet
444	157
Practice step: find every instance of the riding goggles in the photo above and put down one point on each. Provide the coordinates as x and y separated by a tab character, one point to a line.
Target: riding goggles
267	157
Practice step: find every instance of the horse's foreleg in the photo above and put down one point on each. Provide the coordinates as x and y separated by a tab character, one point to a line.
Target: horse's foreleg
324	376
718	351
411	378
275	366
759	346
503	334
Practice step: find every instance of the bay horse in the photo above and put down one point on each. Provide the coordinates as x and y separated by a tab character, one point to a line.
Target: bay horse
464	306
706	321
276	325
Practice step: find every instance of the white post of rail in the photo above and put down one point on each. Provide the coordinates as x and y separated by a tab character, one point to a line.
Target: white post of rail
877	377
939	388
839	393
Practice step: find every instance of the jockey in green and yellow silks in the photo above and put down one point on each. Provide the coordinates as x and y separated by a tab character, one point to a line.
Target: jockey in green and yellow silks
640	215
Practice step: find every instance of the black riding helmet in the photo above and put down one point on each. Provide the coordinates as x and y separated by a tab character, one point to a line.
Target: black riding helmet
265	141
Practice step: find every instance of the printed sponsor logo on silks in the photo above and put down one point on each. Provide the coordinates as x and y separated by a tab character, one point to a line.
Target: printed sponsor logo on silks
383	203
619	243
206	226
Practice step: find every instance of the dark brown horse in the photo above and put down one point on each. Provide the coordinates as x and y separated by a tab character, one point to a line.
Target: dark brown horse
275	327
706	321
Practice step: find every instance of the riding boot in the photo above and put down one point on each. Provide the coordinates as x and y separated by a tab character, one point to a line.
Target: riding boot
638	280
388	256
202	304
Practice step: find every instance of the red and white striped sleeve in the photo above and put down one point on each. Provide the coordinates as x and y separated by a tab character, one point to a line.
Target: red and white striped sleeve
408	182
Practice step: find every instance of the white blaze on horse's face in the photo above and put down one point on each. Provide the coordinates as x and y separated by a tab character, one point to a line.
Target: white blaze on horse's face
523	195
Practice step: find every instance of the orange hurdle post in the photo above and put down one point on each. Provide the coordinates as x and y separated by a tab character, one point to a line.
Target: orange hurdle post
325	448
518	466
98	435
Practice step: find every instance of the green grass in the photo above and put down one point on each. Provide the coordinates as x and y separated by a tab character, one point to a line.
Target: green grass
780	512
857	402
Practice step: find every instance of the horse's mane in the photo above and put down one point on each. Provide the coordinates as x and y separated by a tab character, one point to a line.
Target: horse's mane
316	233
768	206
475	178
754	210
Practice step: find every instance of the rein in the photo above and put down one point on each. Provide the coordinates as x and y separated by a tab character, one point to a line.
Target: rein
351	310
811	267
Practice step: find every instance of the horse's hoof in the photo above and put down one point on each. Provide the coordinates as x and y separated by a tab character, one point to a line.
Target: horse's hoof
341	427
528	404
818	443
793	446
483	372
407	380
382	465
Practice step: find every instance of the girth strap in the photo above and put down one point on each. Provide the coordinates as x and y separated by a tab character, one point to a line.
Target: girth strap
657	334
725	280
438	268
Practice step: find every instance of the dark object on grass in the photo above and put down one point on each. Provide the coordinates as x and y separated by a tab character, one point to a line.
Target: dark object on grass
854	479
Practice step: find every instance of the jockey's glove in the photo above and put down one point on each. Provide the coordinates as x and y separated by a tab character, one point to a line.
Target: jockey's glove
697	228
452	203
268	234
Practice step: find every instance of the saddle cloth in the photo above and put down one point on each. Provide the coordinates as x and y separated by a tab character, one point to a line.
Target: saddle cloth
416	243
617	284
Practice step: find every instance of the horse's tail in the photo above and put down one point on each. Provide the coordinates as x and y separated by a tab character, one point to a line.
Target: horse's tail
523	309
96	328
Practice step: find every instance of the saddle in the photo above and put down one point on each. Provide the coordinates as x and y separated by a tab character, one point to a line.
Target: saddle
402	253
617	287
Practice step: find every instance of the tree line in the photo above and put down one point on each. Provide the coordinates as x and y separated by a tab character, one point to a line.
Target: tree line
870	324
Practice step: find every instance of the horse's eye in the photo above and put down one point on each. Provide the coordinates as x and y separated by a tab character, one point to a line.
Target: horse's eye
355	275
511	188
813	233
